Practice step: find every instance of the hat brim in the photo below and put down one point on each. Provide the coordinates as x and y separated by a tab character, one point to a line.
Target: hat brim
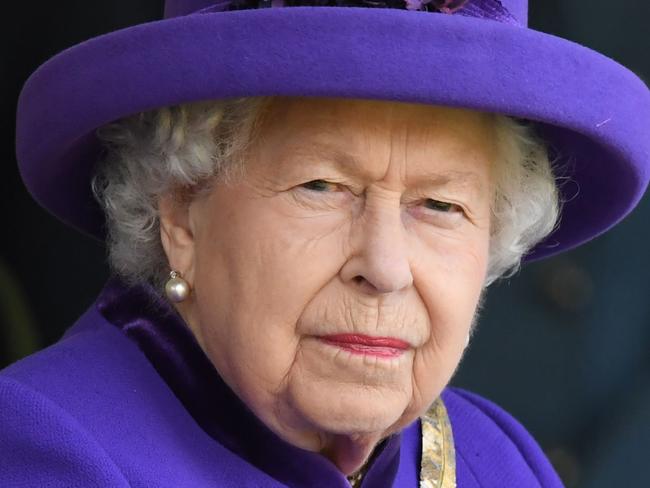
593	112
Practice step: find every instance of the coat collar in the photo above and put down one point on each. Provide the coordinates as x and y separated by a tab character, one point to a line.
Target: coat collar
169	345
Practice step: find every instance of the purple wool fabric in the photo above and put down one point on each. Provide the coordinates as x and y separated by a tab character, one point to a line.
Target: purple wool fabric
593	112
127	398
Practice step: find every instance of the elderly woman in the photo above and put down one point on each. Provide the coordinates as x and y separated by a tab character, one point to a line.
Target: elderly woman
303	206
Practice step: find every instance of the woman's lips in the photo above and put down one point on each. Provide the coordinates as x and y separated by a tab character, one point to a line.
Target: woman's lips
388	347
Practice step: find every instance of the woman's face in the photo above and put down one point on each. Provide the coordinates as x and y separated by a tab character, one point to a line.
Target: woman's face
355	217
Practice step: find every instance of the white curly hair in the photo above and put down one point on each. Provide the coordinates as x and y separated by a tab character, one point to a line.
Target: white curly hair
185	149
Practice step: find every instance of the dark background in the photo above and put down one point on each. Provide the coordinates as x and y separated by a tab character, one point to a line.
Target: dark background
563	346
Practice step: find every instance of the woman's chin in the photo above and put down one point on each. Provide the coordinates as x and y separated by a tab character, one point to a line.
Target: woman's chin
348	408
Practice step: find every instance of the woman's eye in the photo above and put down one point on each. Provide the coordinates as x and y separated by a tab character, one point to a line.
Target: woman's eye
321	195
319	185
439	206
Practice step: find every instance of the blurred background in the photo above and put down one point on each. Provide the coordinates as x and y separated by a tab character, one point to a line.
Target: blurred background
563	346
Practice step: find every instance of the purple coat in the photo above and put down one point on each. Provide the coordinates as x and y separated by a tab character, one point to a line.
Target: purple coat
126	398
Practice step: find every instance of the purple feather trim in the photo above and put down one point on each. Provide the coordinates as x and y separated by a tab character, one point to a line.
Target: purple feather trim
483	9
447	6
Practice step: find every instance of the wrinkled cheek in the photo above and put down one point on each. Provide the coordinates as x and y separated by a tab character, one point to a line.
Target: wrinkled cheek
451	291
436	361
432	371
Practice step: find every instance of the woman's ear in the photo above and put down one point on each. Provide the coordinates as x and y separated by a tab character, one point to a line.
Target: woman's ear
176	234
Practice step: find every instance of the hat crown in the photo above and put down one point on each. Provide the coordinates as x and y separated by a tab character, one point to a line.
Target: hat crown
175	8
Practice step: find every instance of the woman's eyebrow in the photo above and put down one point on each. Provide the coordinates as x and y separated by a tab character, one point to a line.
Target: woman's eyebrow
462	180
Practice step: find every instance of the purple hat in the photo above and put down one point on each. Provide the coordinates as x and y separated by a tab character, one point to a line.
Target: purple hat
479	54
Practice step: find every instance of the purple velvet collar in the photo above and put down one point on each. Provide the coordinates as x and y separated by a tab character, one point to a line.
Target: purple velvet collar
169	345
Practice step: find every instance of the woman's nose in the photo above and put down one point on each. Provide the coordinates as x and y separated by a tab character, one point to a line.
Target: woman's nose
379	261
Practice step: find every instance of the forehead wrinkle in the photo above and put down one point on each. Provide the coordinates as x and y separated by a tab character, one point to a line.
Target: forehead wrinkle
332	153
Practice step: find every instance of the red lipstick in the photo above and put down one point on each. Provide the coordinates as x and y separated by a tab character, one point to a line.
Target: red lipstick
363	344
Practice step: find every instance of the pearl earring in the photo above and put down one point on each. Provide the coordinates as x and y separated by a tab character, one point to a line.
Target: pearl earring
176	288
